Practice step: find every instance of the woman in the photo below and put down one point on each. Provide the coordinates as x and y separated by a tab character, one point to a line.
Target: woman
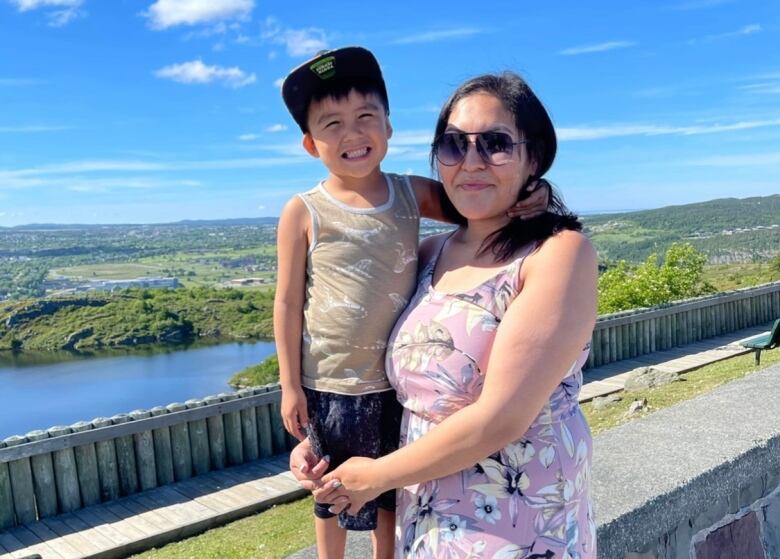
486	360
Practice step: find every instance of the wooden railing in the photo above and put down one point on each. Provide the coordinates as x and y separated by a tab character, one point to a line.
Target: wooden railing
627	334
45	473
62	469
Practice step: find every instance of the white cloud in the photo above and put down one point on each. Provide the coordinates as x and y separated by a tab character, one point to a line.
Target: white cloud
434	36
600	47
290	150
18	82
614	131
26	5
196	71
763	87
109	184
61	12
276	128
744	160
420	109
29	129
248	137
34	176
742	31
170	13
411	138
699	4
297	42
278	83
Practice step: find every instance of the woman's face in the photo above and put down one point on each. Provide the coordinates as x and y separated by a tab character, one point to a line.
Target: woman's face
477	189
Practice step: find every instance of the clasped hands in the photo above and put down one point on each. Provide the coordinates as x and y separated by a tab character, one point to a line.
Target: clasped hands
347	488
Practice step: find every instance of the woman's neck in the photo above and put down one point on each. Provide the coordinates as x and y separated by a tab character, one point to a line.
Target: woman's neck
475	232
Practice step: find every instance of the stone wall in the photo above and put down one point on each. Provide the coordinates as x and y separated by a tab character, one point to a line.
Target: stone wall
699	480
754	532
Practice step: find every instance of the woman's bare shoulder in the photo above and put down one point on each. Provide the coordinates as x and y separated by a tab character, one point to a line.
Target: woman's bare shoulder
563	251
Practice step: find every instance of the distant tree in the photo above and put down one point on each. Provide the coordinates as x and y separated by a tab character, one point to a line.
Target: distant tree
624	286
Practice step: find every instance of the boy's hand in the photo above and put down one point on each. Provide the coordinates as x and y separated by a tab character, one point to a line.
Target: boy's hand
535	203
294	413
305	465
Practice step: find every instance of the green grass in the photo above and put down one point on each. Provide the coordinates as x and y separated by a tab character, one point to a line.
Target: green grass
266	372
288	528
191	268
692	384
725	277
272	534
107	271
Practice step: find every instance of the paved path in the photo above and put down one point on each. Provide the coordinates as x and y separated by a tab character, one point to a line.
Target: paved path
174	512
607	379
610	378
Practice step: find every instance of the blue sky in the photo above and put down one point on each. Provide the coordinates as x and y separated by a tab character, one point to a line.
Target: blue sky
150	111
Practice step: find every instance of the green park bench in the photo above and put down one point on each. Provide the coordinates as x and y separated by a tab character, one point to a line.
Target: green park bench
764	341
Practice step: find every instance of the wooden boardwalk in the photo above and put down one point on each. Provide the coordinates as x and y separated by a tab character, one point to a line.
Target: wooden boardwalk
155	517
610	378
173	512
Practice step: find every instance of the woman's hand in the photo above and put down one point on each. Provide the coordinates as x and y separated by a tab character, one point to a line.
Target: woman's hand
535	203
308	470
353	480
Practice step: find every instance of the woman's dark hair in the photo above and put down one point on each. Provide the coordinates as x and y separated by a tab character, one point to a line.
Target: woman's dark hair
533	122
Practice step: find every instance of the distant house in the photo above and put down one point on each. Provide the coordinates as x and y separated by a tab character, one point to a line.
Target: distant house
112	285
245	282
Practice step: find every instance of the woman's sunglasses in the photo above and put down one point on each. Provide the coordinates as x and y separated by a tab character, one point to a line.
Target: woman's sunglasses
495	148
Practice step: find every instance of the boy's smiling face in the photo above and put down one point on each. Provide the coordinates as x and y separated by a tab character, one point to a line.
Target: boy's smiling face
350	134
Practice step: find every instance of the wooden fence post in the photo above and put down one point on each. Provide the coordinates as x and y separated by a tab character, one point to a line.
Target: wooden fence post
65	473
86	465
144	452
216	429
163	454
180	445
199	441
233	443
108	469
125	458
22	484
264	430
249	428
7	517
43	478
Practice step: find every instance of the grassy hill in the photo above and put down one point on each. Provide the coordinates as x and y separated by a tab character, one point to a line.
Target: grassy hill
135	317
728	230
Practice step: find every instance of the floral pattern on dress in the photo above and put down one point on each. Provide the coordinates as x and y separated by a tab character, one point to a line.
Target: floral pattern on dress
529	500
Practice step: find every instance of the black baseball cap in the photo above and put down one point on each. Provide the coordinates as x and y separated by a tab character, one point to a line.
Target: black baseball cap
328	70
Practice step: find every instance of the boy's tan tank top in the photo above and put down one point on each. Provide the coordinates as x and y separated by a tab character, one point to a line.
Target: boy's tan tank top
361	271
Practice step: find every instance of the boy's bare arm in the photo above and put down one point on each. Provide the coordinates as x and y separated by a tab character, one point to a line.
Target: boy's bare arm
429	195
292	247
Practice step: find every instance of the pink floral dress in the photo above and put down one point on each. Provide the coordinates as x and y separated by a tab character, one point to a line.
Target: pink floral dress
529	500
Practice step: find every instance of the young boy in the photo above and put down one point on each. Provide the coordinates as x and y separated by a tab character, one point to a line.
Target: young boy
347	263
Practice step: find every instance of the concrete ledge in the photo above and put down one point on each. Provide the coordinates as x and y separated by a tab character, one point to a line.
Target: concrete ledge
654	473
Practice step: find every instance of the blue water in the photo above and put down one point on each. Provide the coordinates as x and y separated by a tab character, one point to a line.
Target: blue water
36	393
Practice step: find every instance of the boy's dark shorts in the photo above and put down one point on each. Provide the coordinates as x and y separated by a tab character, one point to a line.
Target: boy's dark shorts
343	426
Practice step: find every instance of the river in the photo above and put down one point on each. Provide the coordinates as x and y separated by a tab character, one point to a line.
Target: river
39	390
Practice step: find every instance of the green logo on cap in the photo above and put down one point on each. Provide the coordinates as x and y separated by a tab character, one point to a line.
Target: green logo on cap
324	68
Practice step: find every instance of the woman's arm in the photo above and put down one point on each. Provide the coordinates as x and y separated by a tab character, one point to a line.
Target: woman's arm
538	340
292	247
